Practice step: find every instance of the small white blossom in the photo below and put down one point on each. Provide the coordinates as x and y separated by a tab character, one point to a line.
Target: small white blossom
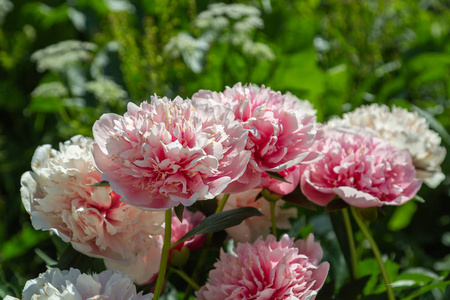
59	56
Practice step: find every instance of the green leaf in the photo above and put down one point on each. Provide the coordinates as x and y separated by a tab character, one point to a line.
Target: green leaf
47	259
297	198
433	123
100	183
353	289
300	74
276	176
71	258
45	104
179	211
368	214
336	204
440	285
341	236
220	221
402	216
420	276
22	242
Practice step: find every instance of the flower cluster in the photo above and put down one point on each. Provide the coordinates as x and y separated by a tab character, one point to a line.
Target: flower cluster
280	130
268	269
246	148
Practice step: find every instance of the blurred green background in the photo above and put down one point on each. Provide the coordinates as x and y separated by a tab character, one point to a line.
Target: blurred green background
64	63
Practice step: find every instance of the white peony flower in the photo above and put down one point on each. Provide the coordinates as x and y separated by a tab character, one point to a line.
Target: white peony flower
72	285
58	196
406	130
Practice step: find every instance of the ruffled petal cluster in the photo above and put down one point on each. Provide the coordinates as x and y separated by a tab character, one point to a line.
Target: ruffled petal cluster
268	270
362	169
280	129
164	153
252	228
407	130
58	196
55	284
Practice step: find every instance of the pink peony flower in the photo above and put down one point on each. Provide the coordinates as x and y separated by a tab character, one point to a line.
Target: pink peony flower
362	169
268	270
292	175
406	130
145	266
179	229
56	284
280	130
164	153
252	228
59	199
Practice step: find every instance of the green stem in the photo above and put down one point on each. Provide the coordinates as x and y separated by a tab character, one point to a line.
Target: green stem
186	277
273	218
164	254
222	203
351	242
376	253
203	254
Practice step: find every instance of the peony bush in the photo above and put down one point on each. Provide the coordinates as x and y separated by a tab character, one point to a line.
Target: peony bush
207	194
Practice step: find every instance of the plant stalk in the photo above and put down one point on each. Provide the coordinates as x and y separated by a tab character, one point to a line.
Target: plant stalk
164	254
273	218
376	253
351	243
186	277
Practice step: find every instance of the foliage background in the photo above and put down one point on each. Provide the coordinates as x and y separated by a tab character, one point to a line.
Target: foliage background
337	54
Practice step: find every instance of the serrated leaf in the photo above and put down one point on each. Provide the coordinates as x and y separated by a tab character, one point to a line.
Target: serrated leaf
179	212
100	183
277	176
221	221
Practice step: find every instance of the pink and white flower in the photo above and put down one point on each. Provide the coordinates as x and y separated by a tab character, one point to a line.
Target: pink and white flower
145	267
267	270
164	153
292	176
406	130
280	130
252	228
56	284
58	196
362	169
179	229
